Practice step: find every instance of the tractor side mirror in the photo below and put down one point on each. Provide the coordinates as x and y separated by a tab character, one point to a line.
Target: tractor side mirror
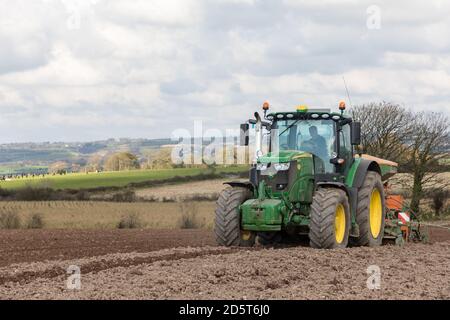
245	138
356	133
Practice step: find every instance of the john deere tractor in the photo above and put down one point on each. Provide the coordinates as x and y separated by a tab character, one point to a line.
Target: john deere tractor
309	182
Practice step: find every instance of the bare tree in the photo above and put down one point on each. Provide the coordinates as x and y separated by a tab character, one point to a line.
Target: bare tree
59	167
385	128
417	141
94	163
428	145
122	161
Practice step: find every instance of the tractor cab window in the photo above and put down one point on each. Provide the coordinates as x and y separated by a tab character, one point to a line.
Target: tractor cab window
345	145
313	136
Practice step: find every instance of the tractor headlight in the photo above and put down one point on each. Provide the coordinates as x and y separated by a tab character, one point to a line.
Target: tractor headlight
282	166
261	166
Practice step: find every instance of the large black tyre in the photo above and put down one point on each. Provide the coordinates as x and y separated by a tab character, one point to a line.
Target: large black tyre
371	211
228	219
330	219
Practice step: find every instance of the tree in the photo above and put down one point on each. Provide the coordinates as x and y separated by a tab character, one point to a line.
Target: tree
94	163
385	127
122	161
160	159
439	198
428	144
59	167
417	141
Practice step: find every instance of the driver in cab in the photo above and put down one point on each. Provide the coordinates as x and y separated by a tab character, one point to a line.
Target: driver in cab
317	143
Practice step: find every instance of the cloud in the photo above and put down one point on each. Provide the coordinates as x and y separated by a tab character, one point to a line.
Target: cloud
86	70
180	87
169	13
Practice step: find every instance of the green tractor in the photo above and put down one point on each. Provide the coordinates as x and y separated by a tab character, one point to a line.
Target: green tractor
310	182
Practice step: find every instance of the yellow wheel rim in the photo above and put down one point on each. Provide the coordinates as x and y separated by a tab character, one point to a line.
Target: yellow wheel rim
339	224
376	213
246	235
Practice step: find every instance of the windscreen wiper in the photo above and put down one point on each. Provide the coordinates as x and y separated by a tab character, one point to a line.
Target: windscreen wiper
289	127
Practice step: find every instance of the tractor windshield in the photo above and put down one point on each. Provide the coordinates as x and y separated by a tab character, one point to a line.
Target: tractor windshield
314	136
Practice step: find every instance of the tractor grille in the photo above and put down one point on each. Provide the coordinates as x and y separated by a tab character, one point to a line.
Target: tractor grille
282	180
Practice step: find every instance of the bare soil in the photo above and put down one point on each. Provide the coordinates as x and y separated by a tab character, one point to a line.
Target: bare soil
184	191
17	246
186	264
438	234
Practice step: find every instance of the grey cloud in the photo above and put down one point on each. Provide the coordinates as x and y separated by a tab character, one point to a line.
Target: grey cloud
26	54
148	70
181	87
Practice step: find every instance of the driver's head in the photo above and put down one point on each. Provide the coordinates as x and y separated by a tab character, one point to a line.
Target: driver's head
313	131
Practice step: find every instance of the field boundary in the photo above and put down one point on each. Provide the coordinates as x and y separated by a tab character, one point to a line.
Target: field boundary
36	193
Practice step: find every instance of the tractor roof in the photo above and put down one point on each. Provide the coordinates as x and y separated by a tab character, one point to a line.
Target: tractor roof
307	114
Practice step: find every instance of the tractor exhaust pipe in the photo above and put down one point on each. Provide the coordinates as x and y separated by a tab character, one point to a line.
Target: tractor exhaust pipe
259	137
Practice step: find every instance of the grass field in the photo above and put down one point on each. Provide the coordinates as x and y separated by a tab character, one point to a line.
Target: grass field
17	169
107	215
109	179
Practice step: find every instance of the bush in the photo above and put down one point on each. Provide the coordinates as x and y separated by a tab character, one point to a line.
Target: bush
34	194
130	221
188	219
445	212
35	221
168	200
124	196
9	220
82	195
439	198
4	193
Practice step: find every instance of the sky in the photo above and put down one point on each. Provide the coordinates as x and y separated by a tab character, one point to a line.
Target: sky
83	70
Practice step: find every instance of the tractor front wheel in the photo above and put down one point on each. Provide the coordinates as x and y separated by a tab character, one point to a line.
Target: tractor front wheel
371	212
228	219
330	219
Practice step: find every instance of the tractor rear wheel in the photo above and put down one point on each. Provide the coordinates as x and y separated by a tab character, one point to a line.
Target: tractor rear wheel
330	219
371	212
228	219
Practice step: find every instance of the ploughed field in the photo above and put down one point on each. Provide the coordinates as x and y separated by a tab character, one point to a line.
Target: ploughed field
186	264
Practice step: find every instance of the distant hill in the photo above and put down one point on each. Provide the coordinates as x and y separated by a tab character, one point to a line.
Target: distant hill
36	158
17	158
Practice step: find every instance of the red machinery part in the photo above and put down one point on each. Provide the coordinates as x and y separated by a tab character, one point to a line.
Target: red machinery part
404	218
395	202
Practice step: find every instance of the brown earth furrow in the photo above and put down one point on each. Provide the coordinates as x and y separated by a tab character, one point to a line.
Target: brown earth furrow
186	264
18	246
415	271
104	263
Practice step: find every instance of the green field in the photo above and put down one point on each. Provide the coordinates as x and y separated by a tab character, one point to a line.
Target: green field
17	169
110	179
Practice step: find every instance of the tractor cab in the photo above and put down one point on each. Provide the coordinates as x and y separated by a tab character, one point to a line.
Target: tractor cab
329	137
325	135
